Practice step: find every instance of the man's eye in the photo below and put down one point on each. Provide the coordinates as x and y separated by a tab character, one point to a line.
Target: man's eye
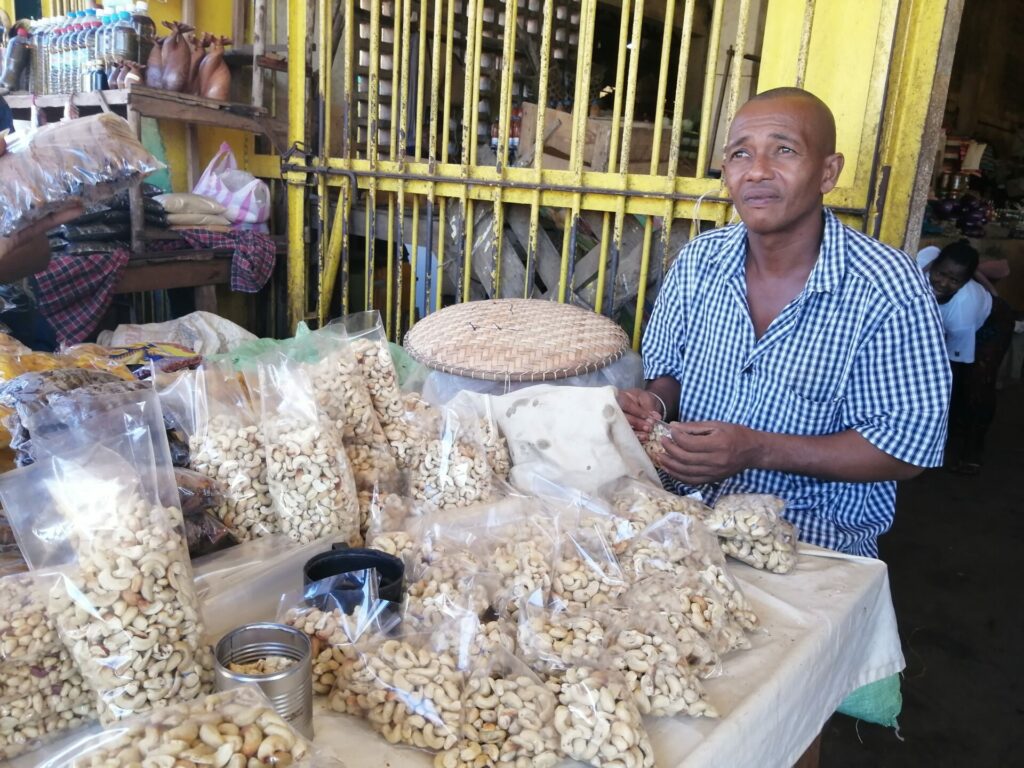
785	151
739	153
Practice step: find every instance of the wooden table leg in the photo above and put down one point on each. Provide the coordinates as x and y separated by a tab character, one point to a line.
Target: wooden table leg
206	298
812	756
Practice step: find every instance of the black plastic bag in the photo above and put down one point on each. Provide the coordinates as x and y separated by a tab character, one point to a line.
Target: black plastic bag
103	232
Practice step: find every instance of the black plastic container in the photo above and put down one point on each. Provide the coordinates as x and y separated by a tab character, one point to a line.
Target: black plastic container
344	561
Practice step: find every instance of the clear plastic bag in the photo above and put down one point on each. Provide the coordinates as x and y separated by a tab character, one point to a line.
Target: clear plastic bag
229	728
751	529
586	571
226	444
408	689
345	401
82	160
661	596
679	547
454	583
446	458
373	355
597	721
335	613
552	639
311	485
42	693
130	569
507	717
644	648
29	392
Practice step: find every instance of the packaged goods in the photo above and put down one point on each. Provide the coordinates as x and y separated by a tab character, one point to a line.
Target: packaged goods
83	160
751	529
188	203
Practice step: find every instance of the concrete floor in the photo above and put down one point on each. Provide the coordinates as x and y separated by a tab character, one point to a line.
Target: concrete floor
956	559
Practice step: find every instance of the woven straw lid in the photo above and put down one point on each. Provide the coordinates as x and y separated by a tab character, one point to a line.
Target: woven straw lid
516	340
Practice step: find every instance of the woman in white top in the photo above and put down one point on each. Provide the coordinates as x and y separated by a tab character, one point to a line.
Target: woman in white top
978	326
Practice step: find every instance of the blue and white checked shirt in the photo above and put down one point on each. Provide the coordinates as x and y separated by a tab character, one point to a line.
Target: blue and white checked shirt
860	348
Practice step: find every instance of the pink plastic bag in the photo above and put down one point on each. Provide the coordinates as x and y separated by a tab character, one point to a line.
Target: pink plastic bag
245	198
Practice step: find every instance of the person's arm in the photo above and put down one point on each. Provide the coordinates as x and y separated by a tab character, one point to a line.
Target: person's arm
27	251
894	412
658	401
705	452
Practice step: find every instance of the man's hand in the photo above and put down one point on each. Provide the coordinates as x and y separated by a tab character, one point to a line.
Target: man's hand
642	409
27	251
708	451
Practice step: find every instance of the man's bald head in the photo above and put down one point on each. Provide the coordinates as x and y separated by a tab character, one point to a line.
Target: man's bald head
821	123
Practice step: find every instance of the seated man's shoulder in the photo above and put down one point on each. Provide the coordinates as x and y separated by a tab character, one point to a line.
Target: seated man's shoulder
888	271
708	247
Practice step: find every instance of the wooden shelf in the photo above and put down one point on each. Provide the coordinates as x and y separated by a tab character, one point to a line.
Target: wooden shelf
165	105
181	269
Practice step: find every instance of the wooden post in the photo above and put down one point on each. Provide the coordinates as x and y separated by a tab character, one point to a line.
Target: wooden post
259	48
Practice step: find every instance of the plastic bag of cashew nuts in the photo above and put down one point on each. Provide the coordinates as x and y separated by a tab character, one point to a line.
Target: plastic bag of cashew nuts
507	717
311	484
452	584
234	729
226	444
335	613
408	688
126	606
345	400
586	572
42	693
679	547
751	529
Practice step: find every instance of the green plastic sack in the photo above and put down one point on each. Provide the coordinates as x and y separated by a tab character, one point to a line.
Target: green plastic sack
880	702
411	374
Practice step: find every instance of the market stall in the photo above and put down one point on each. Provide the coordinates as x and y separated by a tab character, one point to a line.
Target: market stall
527	594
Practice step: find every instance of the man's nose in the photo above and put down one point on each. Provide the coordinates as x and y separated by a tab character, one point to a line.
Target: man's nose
760	168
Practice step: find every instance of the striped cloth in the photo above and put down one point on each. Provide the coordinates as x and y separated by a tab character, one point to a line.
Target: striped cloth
860	348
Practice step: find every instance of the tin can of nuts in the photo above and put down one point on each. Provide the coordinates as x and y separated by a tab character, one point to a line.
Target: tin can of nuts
290	689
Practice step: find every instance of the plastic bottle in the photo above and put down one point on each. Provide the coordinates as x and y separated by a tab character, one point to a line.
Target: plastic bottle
57	57
125	38
71	59
18	57
87	54
145	29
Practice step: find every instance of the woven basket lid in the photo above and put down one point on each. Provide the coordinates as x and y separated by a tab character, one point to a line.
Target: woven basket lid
516	340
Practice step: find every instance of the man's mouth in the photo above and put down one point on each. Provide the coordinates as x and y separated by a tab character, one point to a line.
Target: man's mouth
760	198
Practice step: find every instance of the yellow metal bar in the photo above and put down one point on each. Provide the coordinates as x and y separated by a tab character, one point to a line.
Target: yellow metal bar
538	150
390	290
328	266
736	74
588	13
402	63
659	104
372	149
708	104
394	140
418	147
296	181
470	115
645	265
627	137
442	213
805	42
508	74
613	149
686	35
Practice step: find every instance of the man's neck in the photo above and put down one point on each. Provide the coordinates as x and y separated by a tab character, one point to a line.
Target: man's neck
785	254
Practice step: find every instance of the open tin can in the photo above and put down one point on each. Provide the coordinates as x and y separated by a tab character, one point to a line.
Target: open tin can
290	690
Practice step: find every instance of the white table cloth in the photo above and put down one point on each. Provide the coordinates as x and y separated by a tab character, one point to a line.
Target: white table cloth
828	628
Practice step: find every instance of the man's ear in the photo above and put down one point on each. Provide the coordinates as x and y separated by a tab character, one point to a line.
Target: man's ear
833	167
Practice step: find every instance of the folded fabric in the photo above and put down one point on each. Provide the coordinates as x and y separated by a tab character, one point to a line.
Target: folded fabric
186	202
197	220
75	292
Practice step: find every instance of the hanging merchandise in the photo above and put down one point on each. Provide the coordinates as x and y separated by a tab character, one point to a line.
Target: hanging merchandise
177	57
155	63
214	75
199	45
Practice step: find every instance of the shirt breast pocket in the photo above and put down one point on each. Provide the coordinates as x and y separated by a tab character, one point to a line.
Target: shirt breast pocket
802	415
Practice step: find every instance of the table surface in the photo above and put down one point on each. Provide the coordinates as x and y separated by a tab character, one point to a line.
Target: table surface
828	627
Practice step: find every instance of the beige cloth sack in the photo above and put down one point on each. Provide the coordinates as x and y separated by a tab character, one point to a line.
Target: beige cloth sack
186	202
197	220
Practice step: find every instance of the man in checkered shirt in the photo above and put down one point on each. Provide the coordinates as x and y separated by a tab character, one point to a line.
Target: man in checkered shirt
793	355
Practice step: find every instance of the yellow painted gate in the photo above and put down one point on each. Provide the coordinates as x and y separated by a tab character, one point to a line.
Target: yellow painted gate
426	172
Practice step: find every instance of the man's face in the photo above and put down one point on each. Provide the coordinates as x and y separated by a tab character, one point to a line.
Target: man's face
777	165
946	278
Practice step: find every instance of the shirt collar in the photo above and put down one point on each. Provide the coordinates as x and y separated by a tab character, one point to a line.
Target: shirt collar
829	268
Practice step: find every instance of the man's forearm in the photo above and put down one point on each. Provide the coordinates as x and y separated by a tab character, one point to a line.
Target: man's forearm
667	388
845	457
